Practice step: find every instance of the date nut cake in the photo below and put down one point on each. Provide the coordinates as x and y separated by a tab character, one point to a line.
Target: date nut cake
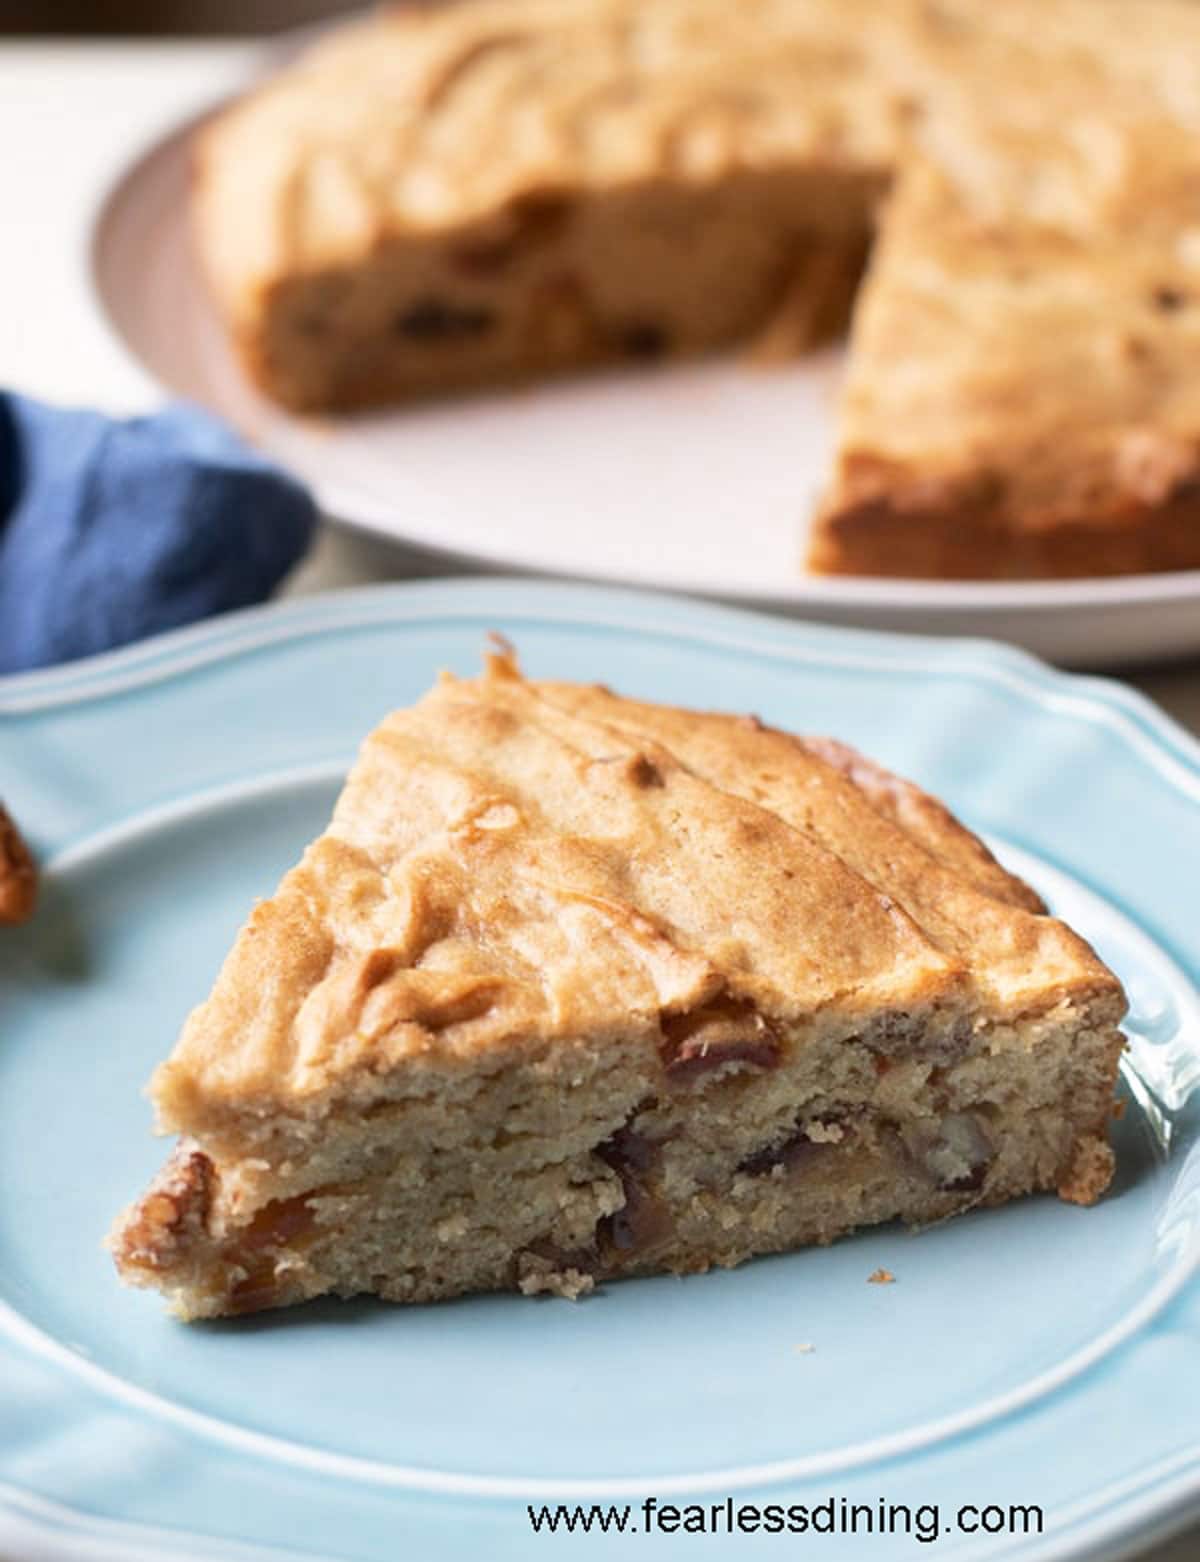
574	987
447	196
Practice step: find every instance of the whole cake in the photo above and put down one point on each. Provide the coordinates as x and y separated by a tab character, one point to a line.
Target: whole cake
574	987
490	190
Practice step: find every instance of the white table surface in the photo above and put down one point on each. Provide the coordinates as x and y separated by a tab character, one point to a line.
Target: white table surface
71	114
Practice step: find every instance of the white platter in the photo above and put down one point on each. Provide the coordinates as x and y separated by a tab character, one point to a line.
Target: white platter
695	478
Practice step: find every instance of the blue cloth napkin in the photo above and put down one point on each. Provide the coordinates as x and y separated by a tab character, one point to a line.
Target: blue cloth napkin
111	530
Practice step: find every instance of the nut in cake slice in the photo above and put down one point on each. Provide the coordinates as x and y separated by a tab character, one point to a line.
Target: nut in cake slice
18	874
575	987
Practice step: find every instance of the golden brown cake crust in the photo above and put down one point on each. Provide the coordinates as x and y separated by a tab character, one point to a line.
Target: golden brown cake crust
508	865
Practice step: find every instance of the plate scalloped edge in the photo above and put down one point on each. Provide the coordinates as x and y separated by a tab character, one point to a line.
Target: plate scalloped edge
1152	735
1102	700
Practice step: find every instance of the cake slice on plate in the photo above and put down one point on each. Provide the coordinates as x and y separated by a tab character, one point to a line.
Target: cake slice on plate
574	987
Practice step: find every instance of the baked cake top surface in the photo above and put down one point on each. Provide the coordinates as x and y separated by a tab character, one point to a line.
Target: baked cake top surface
513	863
426	118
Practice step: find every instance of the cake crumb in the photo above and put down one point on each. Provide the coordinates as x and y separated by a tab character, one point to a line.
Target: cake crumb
881	1277
539	1276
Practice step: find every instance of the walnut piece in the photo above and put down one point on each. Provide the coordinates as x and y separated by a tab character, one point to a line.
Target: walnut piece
172	1215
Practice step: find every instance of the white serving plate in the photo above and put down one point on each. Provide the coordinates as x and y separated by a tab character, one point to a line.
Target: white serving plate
693	478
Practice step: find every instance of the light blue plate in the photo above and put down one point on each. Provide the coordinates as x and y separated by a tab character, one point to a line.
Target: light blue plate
1036	1355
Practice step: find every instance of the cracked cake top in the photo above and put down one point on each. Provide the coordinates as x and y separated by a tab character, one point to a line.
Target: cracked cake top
512	863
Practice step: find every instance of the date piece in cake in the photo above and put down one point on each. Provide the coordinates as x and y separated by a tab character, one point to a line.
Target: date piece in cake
574	987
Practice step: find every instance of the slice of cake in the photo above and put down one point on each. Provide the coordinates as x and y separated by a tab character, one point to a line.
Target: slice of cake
1020	398
575	987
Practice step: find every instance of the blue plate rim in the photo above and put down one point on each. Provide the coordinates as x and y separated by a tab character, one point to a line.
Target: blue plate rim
780	637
